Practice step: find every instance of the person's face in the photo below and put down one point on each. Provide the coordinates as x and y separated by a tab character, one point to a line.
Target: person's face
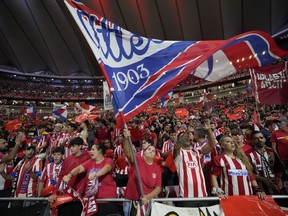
58	157
184	138
57	129
167	128
145	144
75	149
107	144
94	152
3	145
173	137
239	138
30	153
259	140
228	144
227	131
282	125
213	126
150	152
191	136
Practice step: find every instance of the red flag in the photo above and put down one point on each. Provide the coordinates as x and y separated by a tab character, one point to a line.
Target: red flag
239	109
250	206
82	117
162	111
181	112
13	125
234	116
270	84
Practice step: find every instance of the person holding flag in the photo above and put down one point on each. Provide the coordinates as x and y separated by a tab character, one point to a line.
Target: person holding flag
150	174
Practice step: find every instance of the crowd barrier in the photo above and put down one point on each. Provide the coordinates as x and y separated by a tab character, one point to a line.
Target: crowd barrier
41	206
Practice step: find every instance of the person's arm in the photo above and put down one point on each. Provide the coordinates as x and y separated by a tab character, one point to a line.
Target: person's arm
77	170
165	154
29	169
44	144
126	146
274	147
40	188
106	169
3	174
257	190
15	149
211	140
216	190
151	195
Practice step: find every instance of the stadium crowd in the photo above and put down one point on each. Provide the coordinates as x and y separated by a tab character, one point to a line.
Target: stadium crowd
228	146
37	91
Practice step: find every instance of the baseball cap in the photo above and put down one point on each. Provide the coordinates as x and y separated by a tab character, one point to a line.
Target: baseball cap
280	119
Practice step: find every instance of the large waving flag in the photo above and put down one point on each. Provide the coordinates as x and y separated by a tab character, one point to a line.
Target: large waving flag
60	111
140	70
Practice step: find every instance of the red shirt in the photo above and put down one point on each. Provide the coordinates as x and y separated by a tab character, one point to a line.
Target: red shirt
136	134
9	166
151	177
280	137
106	184
68	165
103	133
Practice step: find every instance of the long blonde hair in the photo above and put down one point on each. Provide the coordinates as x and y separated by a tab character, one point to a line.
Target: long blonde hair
239	153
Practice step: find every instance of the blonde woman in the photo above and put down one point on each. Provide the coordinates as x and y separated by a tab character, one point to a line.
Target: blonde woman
235	172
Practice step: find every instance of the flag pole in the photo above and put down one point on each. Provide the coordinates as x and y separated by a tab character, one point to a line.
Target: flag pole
135	164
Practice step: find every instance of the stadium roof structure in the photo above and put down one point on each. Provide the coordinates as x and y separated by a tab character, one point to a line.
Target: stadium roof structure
40	39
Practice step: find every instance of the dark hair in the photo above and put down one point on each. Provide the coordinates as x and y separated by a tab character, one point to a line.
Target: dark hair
40	126
237	131
101	146
180	134
58	150
86	122
73	125
256	132
232	126
76	141
269	123
147	140
200	133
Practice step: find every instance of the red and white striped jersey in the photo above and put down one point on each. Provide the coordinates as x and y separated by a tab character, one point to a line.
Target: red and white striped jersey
67	146
168	145
118	153
261	162
56	140
4	184
25	184
234	176
216	133
190	174
50	174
